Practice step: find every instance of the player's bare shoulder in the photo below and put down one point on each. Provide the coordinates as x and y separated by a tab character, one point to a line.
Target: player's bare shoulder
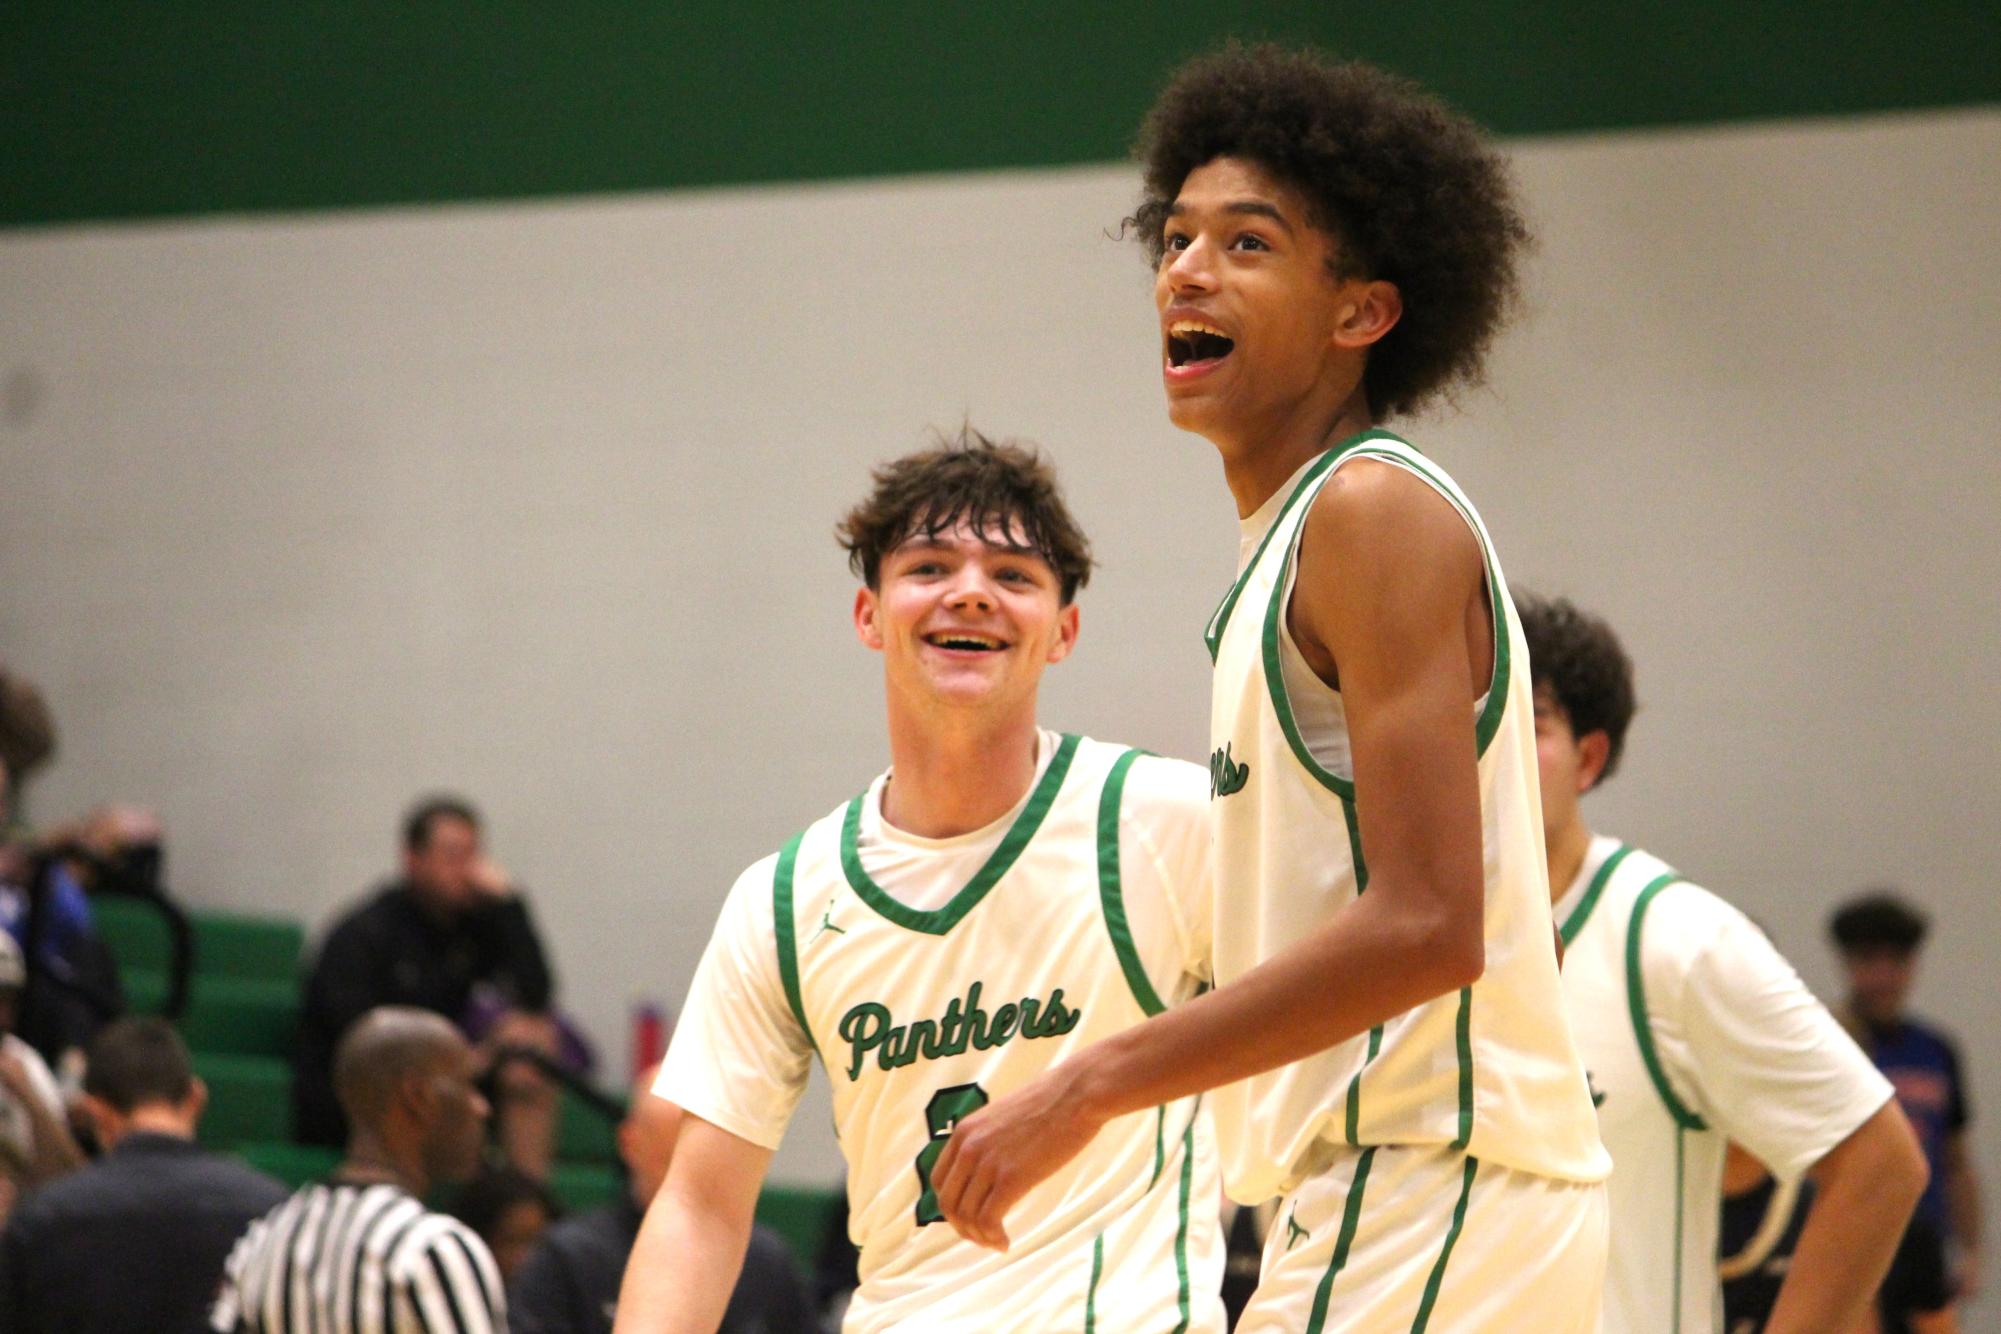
1382	553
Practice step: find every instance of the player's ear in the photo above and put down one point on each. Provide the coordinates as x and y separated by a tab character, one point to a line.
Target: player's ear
1067	622
1367	310
1593	750
867	608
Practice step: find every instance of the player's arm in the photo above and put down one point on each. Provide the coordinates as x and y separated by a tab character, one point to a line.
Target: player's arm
1866	1187
1962	1201
685	1264
1388	576
1773	1070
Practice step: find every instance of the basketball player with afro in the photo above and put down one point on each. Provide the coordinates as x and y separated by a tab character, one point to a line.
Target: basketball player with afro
1386	1043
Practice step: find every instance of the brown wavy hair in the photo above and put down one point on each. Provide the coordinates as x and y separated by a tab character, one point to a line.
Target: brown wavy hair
1002	488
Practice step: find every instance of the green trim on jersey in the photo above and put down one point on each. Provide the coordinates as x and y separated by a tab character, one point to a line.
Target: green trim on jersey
1181	1226
1353	1123
1159	1144
1463	1040
1212	635
1091	1293
1437	1279
1111	895
938	921
1636	1003
1592	892
1680	1201
1351	1215
786	933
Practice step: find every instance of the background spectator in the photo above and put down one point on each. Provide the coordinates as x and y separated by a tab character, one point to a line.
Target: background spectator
408	1084
510	1210
137	1239
1880	937
570	1281
35	1144
451	935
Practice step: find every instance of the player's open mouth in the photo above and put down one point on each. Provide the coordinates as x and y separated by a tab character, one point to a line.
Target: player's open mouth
1191	343
964	642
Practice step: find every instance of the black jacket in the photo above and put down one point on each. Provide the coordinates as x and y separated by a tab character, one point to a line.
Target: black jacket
389	951
569	1282
135	1240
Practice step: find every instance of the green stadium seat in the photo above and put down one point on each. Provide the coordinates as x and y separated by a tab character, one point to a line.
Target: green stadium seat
243	1016
293	1164
799	1214
583	1186
582	1135
226	943
250	1099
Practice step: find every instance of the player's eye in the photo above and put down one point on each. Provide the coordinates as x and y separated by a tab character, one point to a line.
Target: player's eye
1251	241
1176	241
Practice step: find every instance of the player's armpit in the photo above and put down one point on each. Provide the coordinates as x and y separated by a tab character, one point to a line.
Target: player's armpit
691	1246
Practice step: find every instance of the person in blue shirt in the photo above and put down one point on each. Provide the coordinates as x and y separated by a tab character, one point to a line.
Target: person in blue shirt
1880	937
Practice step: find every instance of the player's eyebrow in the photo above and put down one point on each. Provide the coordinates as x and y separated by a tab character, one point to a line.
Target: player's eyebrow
1256	208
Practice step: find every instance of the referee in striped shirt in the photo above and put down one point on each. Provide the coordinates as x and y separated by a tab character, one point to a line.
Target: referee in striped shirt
359	1251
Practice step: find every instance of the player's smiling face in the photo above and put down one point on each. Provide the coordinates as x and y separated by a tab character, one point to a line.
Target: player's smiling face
966	617
1251	307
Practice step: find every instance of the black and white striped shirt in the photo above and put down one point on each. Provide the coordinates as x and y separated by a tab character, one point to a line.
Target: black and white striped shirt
341	1258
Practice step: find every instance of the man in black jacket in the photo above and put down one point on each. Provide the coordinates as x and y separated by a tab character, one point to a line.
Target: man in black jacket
451	935
569	1282
137	1239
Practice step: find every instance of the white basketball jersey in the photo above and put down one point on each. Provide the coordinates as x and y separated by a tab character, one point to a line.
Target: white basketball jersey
1695	1033
1666	1190
1490	1069
921	1016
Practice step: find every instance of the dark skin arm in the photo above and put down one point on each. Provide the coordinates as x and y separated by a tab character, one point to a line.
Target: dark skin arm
1868	1185
1391	587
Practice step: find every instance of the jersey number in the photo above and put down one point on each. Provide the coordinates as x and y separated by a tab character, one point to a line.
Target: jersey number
941	1114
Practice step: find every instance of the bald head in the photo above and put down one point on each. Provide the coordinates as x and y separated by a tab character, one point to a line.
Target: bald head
386	1046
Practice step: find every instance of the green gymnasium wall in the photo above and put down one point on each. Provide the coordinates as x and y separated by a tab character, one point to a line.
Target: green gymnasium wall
135	109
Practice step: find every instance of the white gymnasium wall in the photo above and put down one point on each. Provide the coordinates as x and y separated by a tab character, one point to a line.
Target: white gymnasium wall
301	517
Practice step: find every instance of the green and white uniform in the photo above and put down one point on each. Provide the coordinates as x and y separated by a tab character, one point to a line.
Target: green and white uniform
1483	1083
1695	1032
931	976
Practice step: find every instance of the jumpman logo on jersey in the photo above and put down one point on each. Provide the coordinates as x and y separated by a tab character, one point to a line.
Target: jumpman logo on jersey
1294	1233
1597	1094
827	924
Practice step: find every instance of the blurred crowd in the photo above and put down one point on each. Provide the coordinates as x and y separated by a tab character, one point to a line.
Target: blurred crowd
431	1054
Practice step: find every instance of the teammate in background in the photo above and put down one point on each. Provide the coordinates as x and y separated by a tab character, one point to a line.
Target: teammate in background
1000	898
1880	937
1387	1042
1696	1033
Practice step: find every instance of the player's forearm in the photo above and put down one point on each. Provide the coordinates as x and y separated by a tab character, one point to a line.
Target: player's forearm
683	1268
1374	960
1962	1194
1867	1187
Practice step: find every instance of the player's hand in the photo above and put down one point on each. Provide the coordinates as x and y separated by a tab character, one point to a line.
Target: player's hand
1003	1151
488	879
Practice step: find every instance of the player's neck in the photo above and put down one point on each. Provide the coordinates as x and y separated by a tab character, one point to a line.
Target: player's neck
1568	847
954	778
1261	453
